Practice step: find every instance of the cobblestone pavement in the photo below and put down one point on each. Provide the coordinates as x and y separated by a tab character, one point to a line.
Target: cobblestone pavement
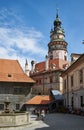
57	121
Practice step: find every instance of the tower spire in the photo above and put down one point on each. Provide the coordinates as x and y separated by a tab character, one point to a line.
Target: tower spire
57	13
57	22
26	68
26	62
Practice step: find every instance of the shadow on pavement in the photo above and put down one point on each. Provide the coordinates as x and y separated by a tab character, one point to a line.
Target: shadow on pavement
62	122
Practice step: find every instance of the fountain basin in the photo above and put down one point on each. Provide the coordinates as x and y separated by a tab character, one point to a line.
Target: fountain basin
13	119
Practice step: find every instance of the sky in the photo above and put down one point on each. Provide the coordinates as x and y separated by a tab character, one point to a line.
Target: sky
25	27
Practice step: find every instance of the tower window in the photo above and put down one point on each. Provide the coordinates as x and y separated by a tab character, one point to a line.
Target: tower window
65	58
58	36
51	57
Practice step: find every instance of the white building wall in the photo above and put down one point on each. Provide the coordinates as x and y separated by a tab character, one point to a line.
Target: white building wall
59	54
75	91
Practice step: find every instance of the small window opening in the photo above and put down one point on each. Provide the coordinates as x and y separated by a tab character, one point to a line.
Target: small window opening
9	75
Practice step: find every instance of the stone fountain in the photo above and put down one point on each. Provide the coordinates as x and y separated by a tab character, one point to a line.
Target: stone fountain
12	119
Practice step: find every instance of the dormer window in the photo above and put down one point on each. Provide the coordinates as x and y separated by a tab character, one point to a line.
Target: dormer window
9	75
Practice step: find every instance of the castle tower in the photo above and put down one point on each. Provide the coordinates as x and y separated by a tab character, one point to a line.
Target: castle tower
47	73
57	47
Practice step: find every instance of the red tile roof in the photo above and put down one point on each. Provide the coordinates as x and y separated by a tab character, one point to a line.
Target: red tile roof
58	62
40	66
37	100
11	71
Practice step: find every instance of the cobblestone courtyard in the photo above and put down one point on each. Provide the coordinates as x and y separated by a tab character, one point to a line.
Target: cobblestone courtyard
53	121
57	122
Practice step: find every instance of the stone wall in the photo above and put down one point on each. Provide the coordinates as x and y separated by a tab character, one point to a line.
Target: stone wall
17	93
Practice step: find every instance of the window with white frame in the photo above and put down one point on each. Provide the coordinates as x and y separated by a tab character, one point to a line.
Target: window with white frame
71	80
81	75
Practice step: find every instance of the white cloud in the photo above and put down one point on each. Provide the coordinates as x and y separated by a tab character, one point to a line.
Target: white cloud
27	41
18	41
3	52
9	18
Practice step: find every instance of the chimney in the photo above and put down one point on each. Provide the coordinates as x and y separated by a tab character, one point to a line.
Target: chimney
32	66
46	62
26	68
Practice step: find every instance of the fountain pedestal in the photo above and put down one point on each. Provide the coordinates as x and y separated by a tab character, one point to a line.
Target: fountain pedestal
14	119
